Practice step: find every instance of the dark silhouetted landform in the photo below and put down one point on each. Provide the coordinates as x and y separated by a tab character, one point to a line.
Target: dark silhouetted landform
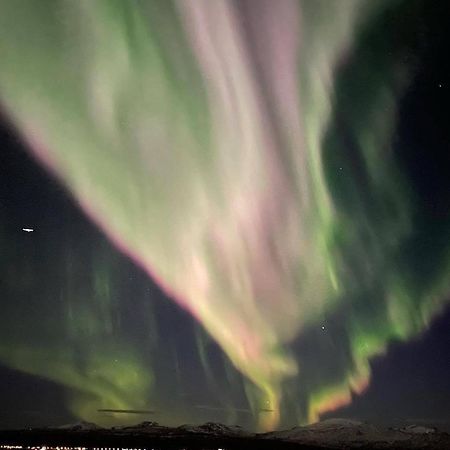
329	434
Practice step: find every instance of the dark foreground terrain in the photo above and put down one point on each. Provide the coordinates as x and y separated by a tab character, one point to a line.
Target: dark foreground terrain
330	434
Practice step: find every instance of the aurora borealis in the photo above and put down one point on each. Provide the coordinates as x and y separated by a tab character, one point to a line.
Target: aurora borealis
247	159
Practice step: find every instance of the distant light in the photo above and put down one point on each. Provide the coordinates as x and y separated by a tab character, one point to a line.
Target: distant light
323	327
28	230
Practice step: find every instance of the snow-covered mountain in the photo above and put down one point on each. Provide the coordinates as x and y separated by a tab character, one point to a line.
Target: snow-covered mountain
328	434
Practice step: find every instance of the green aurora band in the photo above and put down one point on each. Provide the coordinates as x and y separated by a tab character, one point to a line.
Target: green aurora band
240	153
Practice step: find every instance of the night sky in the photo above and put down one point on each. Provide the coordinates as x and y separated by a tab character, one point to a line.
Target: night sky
233	211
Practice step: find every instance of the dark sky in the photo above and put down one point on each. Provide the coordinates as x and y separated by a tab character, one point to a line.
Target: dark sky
82	327
412	380
63	236
410	383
